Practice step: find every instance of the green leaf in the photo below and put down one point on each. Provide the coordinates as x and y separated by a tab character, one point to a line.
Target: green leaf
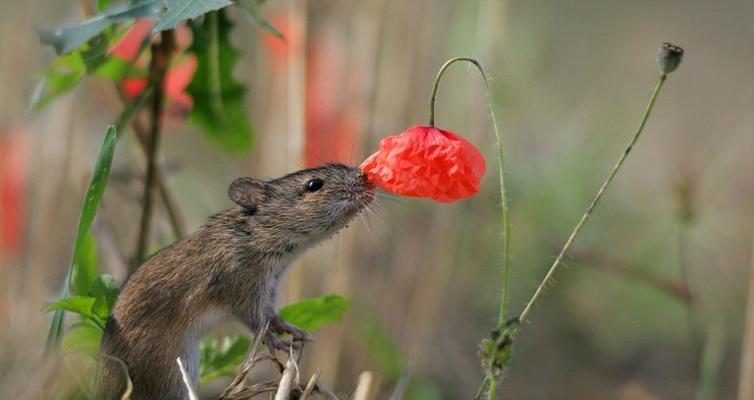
105	292
67	70
60	77
310	314
219	101
252	10
93	197
117	69
77	304
68	39
84	338
102	4
176	11
220	358
88	268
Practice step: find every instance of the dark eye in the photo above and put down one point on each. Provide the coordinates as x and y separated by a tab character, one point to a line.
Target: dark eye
314	184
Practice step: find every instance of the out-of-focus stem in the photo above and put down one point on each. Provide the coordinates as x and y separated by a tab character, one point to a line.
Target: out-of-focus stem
161	53
175	217
580	225
746	377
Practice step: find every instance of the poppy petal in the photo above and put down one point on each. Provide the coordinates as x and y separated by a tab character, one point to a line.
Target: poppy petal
426	161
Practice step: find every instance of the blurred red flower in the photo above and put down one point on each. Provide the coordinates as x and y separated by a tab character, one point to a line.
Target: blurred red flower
332	110
12	193
425	161
179	76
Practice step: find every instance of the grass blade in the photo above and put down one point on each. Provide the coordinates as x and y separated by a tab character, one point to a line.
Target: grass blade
94	193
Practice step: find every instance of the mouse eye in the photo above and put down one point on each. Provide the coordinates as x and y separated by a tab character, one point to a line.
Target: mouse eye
314	184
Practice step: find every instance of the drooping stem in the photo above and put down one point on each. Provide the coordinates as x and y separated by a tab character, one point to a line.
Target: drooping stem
580	225
161	53
505	295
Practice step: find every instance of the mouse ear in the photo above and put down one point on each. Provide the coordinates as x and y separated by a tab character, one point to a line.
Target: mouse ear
245	192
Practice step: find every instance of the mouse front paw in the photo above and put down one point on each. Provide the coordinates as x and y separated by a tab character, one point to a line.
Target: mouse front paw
273	342
279	325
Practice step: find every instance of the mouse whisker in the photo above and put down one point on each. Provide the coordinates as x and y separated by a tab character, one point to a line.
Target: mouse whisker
374	239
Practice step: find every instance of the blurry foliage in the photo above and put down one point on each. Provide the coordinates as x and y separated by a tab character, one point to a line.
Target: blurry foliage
219	101
221	357
83	245
219	109
219	104
312	313
65	40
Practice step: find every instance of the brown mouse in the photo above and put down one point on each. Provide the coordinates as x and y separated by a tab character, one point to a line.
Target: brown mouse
230	266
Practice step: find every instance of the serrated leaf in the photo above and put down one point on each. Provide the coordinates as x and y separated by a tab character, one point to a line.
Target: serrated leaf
68	39
221	357
176	11
84	338
310	314
94	193
88	267
219	100
252	11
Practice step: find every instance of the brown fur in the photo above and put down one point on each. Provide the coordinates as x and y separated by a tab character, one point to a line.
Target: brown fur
231	265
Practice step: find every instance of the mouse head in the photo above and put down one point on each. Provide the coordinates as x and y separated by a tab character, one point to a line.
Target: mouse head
305	206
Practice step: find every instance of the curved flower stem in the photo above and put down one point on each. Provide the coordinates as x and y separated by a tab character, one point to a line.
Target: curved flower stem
597	197
504	300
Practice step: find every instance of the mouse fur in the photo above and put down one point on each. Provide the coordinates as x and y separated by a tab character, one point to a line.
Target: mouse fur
231	266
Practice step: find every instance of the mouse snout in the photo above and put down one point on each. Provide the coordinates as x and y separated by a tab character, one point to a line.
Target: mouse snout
364	188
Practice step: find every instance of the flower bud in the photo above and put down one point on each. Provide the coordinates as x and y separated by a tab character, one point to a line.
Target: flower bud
669	57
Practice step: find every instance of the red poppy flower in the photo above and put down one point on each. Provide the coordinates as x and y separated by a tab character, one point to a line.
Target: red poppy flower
426	161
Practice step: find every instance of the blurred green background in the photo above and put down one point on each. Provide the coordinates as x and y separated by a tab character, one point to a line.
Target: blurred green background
571	80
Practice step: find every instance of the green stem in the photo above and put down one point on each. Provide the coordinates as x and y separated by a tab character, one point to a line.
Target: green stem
483	385
493	388
505	295
597	197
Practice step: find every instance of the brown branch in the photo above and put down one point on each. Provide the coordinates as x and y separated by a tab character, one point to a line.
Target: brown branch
672	288
161	53
171	205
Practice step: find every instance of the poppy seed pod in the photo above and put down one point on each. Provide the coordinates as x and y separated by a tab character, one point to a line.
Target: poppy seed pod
669	57
425	161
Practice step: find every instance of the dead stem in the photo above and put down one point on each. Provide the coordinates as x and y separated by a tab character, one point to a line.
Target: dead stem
674	289
161	54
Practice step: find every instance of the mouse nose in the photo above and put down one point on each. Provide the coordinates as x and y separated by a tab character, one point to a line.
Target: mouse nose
365	181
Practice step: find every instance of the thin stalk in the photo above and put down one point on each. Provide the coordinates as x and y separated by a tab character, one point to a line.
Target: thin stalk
482	386
175	217
493	388
161	53
597	197
505	295
746	372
